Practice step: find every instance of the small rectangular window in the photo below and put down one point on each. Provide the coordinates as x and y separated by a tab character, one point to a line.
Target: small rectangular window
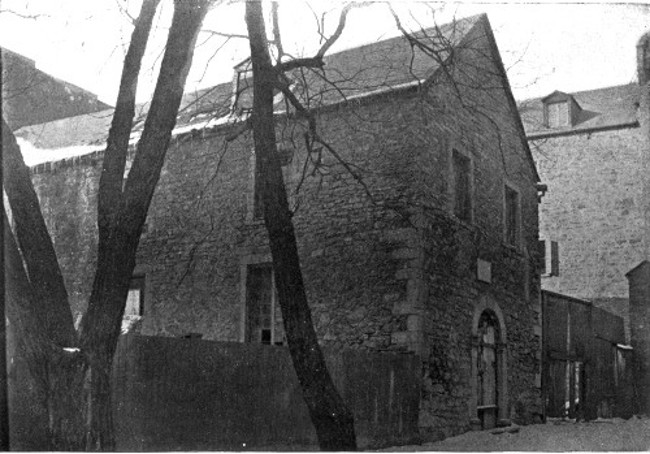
511	216
549	261
557	114
135	297
264	318
462	195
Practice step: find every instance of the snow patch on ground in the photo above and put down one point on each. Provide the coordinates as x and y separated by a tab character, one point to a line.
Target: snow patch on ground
601	435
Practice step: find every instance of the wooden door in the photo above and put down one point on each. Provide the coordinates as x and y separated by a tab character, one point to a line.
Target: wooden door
487	368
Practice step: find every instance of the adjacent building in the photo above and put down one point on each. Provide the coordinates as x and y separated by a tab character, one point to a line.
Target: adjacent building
30	96
592	150
435	252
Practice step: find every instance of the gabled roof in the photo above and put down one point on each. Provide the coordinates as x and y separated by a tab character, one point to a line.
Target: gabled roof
358	71
377	68
556	96
30	96
603	108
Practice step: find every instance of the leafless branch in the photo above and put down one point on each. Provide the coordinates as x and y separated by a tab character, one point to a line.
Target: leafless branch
224	35
22	15
329	42
277	37
124	11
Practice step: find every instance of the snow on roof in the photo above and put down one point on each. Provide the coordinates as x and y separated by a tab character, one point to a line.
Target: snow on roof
34	155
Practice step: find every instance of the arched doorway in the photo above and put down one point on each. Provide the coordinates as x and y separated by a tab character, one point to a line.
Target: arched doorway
488	407
487	370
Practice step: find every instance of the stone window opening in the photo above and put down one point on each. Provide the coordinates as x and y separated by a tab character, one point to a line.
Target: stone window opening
557	114
135	297
461	186
549	258
263	315
561	110
512	216
134	307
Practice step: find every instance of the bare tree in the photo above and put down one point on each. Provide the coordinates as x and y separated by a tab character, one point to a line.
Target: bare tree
67	360
306	87
73	368
332	419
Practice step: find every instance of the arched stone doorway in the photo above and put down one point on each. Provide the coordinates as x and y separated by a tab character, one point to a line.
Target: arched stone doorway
488	406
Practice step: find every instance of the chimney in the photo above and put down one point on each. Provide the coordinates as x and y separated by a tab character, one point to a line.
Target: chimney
643	59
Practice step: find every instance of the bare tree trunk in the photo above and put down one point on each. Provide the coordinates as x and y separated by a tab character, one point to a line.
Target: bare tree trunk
122	214
38	305
65	365
332	420
57	372
66	402
4	378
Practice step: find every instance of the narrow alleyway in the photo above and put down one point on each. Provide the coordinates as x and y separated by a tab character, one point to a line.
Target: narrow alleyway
601	435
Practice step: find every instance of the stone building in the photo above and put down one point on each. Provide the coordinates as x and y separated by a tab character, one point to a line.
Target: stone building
592	150
440	260
30	96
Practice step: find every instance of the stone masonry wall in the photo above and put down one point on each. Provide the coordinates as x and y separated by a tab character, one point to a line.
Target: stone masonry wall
395	272
594	209
481	126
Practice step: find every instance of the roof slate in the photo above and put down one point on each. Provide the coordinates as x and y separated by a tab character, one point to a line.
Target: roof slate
382	65
30	96
603	108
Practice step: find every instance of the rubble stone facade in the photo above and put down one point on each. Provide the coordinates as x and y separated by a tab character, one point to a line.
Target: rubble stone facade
394	271
597	206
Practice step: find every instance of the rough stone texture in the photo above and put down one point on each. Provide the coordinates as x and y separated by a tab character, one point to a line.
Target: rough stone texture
598	202
30	96
594	210
397	272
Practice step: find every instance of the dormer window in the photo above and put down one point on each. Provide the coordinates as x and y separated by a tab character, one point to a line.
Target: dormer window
242	97
557	114
560	110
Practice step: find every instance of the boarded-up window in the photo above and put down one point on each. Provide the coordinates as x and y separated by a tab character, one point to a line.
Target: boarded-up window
264	319
557	114
511	216
462	194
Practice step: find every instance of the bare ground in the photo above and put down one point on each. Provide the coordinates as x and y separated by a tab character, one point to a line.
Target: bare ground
600	435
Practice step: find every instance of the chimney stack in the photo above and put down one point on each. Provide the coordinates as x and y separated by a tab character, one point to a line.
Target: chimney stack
643	59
